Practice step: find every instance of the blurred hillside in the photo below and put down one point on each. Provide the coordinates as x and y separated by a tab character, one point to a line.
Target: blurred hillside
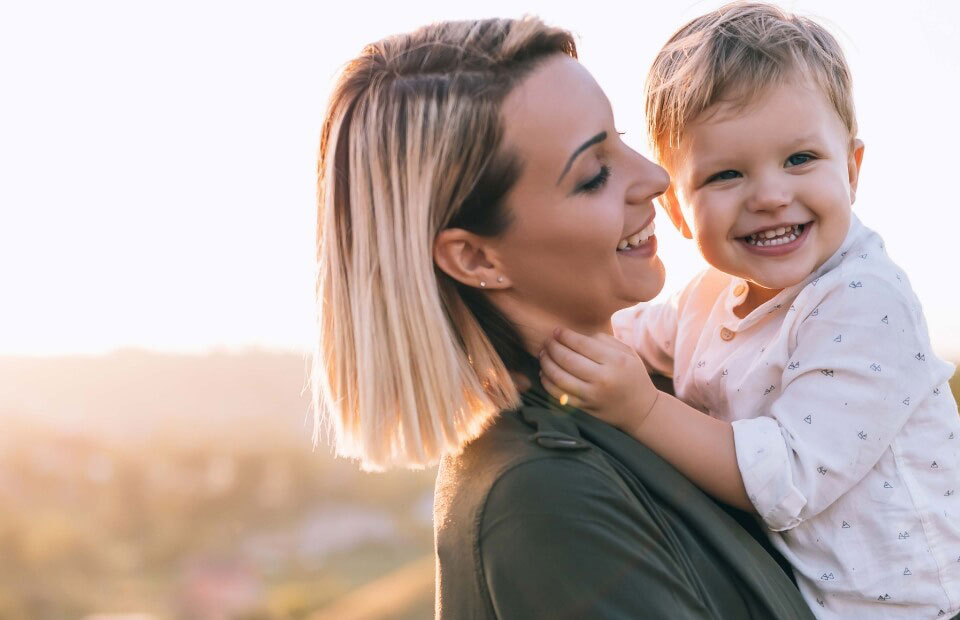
134	398
187	487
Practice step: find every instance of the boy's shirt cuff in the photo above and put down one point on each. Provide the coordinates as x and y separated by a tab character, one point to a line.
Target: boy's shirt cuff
764	462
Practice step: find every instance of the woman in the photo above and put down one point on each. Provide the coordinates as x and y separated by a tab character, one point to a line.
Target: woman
474	196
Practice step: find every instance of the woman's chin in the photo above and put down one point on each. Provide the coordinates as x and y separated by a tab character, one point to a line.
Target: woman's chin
648	285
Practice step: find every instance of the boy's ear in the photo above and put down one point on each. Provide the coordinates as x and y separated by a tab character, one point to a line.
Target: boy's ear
672	207
468	259
853	167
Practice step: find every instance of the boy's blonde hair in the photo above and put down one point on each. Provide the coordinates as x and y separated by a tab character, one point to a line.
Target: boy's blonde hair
411	364
733	54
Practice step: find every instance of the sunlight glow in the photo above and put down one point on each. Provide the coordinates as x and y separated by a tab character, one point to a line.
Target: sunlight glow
159	158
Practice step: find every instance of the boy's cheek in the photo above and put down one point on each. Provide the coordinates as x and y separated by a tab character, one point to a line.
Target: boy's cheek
703	228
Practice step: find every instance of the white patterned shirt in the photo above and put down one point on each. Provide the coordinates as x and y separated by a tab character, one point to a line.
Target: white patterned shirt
847	435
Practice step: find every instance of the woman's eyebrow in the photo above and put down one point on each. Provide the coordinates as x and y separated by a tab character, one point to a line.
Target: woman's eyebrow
597	139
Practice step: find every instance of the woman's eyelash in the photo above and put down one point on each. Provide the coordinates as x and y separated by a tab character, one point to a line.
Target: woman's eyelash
596	182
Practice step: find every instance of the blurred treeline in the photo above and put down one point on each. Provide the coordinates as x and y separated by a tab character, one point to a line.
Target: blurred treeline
140	485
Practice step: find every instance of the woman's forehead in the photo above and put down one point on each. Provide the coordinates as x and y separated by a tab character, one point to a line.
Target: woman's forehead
553	110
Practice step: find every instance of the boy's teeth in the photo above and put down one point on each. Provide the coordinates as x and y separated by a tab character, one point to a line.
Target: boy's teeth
774	236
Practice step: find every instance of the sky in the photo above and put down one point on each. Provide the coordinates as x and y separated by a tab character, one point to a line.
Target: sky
157	159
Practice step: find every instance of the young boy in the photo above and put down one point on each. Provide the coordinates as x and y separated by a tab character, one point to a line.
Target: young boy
829	415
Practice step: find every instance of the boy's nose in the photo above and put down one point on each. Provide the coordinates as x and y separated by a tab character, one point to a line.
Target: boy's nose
768	195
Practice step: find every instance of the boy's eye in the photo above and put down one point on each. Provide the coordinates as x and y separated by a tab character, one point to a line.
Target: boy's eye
726	175
596	182
799	158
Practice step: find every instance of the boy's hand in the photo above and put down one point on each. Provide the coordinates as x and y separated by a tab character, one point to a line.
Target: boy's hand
598	374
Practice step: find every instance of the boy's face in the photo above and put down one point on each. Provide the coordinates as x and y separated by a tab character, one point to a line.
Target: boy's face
766	190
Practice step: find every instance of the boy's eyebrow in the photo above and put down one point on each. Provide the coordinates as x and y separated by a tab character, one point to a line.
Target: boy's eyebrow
597	139
813	136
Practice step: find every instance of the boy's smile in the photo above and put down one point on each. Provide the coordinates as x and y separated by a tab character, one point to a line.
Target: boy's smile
766	188
777	241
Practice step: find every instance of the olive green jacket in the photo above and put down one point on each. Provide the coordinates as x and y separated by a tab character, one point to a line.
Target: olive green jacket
551	513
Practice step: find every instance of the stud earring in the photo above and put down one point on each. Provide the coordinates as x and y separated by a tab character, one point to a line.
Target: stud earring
483	284
499	279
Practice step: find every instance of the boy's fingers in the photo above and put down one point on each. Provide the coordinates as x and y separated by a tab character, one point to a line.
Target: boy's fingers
567	383
614	342
588	346
618	352
578	365
550	386
561	396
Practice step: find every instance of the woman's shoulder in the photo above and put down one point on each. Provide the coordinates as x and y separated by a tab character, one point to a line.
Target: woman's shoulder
523	505
530	461
524	464
552	513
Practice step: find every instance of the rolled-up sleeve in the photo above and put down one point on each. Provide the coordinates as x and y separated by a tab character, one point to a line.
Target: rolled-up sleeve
763	456
860	367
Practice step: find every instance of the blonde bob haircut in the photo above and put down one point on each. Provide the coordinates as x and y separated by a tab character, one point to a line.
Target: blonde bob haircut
732	55
410	364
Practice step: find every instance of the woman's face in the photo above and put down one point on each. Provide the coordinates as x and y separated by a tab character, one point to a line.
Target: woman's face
582	192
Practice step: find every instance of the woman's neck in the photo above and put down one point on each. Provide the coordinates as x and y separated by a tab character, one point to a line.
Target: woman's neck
536	325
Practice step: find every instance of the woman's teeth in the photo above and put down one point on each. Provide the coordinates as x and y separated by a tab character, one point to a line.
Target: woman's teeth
775	236
636	240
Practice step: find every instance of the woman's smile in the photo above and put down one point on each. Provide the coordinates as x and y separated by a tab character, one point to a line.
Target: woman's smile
641	244
582	193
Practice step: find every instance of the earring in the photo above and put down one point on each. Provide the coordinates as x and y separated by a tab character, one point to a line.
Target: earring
483	284
499	279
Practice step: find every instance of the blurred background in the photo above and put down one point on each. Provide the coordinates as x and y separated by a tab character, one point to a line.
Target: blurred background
156	315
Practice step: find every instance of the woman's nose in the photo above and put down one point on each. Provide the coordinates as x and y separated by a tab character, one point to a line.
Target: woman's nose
651	180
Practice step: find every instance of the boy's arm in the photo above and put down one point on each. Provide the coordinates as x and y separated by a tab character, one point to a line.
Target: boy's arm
605	377
861	366
700	447
841	402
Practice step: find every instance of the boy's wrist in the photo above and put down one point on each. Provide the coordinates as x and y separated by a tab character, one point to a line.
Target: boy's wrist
645	412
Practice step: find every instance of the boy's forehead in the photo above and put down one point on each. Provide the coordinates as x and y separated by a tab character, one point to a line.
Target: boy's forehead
746	98
797	109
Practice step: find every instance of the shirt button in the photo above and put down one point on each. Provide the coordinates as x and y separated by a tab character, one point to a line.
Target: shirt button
740	290
727	334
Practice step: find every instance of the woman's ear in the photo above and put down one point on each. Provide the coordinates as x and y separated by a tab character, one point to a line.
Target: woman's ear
853	167
672	207
468	258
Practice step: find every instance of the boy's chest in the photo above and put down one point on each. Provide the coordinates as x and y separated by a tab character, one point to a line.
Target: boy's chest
729	373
